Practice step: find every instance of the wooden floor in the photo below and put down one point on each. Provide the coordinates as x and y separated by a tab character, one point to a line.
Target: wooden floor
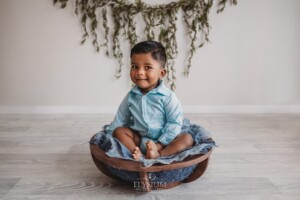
47	157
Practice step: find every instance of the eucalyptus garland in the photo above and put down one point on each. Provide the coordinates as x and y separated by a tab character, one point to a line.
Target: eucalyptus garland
160	24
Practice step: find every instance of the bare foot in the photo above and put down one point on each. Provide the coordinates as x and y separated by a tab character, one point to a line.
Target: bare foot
137	154
152	151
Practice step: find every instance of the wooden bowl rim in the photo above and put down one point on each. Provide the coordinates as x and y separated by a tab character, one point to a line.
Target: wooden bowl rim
136	166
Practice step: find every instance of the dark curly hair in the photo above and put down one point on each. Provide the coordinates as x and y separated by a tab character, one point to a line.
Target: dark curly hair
156	49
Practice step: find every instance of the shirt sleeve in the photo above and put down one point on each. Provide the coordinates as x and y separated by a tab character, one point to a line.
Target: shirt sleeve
122	117
174	115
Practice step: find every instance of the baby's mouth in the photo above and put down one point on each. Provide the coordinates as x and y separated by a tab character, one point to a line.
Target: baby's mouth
141	79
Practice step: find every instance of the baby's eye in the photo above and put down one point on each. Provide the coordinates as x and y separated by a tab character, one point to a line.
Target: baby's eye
148	67
133	67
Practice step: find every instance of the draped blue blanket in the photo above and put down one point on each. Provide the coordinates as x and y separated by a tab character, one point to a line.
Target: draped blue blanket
113	148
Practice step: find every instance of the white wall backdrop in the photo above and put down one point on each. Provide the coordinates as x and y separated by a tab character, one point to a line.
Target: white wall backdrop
251	65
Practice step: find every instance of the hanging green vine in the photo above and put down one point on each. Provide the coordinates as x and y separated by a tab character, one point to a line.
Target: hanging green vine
160	24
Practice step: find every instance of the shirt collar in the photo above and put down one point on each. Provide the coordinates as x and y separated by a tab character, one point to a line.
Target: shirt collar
160	89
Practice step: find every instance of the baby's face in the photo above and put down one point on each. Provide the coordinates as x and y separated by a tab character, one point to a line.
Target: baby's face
145	72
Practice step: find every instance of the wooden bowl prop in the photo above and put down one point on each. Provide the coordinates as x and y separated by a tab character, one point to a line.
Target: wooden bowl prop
155	177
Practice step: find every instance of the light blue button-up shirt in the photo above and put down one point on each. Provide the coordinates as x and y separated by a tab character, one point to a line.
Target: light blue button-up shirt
156	114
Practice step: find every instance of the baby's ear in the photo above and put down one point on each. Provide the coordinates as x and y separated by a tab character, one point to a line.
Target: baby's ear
163	72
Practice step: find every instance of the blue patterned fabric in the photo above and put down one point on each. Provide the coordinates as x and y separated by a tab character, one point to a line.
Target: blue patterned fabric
113	148
175	175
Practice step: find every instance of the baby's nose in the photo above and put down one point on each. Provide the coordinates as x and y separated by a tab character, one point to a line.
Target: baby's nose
141	71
